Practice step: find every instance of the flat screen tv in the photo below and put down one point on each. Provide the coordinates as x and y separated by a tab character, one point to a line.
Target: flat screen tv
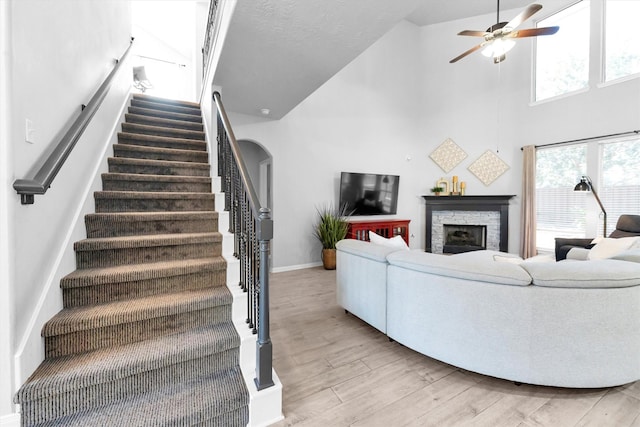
368	193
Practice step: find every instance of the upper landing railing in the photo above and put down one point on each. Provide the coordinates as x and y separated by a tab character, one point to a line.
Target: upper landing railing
40	181
252	227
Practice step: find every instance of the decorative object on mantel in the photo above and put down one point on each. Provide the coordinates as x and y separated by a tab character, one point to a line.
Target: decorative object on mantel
445	188
437	190
488	167
444	185
448	155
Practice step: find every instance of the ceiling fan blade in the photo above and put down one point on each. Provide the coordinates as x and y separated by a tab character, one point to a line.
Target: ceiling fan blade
524	15
472	33
532	32
470	51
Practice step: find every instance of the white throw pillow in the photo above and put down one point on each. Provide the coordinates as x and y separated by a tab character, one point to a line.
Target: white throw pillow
609	247
394	242
510	259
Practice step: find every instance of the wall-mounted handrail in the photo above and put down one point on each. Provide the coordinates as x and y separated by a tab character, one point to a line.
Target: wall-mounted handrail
40	181
252	228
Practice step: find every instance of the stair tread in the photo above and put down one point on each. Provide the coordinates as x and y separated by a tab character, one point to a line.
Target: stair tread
151	195
156	216
193	403
145	240
166	107
62	374
149	129
155	178
162	121
148	149
166	163
164	113
76	319
133	272
189	144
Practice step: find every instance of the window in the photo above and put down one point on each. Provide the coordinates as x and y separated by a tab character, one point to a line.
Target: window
620	188
622	39
562	212
562	60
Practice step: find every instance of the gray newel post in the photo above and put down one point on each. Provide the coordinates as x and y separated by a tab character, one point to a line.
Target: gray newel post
264	352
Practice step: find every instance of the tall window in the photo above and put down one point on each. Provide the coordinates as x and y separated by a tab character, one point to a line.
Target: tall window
622	39
620	188
562	60
560	212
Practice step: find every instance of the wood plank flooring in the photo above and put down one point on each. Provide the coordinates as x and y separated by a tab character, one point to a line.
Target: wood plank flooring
336	370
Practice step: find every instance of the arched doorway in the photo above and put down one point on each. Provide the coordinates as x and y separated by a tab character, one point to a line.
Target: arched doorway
259	164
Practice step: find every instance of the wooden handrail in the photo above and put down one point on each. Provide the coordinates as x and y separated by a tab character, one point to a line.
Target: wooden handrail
40	181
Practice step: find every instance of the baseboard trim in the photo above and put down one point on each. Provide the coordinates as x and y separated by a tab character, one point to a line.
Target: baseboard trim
295	267
12	420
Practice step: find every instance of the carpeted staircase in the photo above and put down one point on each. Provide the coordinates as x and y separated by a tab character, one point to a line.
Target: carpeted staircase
145	336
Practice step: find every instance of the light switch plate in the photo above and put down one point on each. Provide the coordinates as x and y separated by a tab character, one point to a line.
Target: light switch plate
29	131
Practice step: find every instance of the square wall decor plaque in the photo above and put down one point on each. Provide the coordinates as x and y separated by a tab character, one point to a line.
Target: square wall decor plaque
448	155
488	167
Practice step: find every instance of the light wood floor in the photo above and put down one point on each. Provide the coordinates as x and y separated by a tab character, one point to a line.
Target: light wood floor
338	371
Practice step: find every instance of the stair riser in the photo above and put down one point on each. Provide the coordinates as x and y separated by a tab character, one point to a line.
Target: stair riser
154	205
109	336
175	170
175	156
97	227
128	256
165	107
164	114
160	131
96	395
167	123
77	297
161	142
180	187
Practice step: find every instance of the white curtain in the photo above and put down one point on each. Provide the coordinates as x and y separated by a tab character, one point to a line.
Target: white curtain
528	211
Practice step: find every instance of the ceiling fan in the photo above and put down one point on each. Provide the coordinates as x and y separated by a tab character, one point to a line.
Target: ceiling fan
498	39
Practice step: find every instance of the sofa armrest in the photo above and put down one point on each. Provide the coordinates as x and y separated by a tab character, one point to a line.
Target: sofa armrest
564	245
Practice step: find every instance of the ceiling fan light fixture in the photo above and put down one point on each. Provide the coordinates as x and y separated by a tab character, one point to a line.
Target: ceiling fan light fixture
498	48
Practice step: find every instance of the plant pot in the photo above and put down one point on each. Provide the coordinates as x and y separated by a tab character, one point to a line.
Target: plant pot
329	259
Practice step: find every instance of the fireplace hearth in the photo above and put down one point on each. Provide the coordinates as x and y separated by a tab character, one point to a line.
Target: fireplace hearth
460	238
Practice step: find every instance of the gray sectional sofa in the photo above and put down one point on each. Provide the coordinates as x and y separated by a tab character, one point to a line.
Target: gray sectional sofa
567	324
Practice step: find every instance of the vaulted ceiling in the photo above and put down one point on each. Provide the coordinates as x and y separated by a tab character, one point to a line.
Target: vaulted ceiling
278	52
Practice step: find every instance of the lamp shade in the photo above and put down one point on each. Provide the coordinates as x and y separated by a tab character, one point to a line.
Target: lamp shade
583	185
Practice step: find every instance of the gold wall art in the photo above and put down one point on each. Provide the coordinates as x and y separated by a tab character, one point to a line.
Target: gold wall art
488	167
448	155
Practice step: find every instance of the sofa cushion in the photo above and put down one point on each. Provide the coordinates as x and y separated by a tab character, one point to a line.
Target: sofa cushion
602	273
607	248
396	242
365	249
632	255
477	266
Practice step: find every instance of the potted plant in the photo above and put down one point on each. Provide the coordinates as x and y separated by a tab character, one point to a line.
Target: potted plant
437	190
330	227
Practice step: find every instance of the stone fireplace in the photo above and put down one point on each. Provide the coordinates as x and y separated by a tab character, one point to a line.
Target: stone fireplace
457	224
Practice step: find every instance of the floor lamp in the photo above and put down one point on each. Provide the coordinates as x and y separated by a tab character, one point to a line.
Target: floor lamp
585	184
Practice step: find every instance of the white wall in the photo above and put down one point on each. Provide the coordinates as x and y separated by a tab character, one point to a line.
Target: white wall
401	98
60	53
364	119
